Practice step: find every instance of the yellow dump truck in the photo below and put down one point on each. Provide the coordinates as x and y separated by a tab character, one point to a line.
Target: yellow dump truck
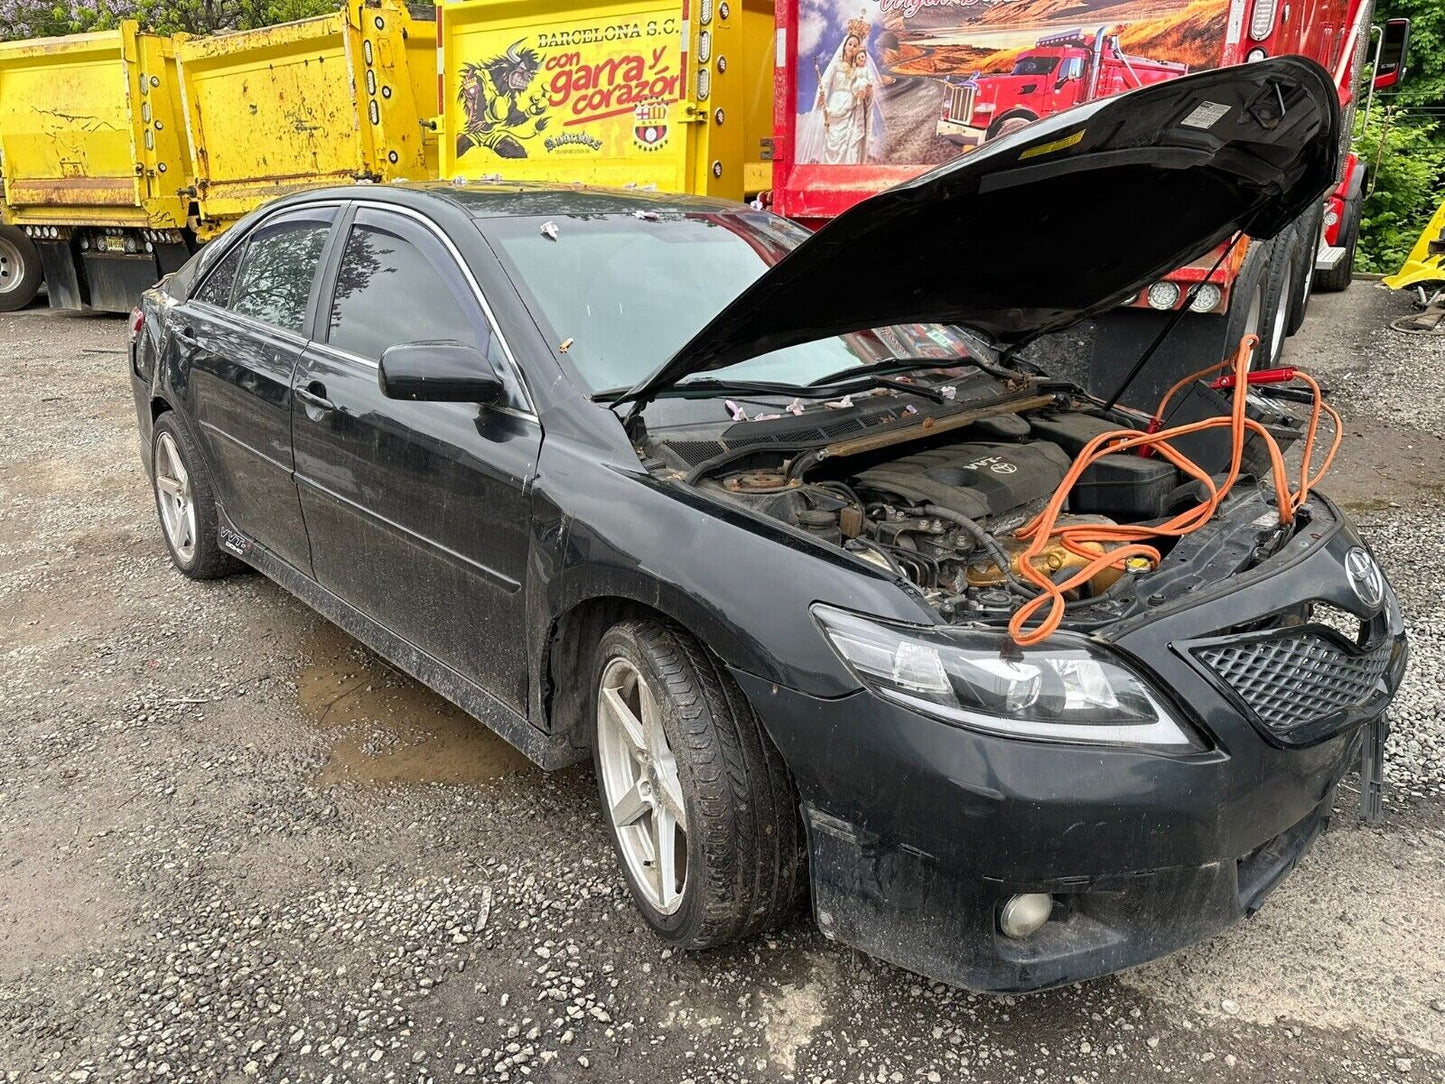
93	146
123	151
609	92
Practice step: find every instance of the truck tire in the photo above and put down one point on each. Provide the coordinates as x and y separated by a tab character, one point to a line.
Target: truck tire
1338	277
1307	231
1279	290
1246	301
1010	122
698	801
20	274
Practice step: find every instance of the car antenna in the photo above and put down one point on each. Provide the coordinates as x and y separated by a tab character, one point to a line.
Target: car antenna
1172	323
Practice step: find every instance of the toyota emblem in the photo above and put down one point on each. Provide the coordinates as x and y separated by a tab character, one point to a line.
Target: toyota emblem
1366	579
1003	466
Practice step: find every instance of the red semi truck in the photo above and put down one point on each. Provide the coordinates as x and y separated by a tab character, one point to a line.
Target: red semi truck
1059	72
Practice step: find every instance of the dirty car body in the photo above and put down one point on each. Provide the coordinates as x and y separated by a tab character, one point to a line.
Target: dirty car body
1193	722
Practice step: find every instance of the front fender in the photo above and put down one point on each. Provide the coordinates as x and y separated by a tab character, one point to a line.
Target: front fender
742	586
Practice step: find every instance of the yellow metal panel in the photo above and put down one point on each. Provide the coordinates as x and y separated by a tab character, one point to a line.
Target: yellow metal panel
594	91
421	62
321	101
74	130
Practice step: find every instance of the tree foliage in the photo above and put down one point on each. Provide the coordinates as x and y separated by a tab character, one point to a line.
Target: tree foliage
48	18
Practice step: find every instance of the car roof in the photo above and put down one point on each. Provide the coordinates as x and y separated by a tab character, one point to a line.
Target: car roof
492	198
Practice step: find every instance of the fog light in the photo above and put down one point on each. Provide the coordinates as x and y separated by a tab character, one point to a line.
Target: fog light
1025	914
1163	295
1206	298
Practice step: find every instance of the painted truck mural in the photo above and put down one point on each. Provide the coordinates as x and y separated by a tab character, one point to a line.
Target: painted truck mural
915	82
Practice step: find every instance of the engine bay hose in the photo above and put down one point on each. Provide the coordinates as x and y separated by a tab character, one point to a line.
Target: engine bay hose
1039	617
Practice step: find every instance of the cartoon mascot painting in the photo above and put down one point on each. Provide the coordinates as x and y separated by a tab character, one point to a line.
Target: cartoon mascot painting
492	96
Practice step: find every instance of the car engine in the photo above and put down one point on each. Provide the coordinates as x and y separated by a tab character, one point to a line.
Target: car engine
944	510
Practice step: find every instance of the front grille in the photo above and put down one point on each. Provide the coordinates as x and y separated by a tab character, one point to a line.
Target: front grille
960	103
1296	681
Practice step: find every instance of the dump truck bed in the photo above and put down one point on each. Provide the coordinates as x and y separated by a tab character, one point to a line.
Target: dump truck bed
91	130
321	101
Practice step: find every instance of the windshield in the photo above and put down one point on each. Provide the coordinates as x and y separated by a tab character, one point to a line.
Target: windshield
620	294
1035	65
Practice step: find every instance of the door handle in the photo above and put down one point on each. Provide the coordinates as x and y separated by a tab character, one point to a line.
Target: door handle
186	337
314	395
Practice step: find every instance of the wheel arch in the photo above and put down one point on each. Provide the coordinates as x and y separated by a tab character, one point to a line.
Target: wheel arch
563	662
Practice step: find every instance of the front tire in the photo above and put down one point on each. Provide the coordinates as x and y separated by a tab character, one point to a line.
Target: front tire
698	802
20	273
186	503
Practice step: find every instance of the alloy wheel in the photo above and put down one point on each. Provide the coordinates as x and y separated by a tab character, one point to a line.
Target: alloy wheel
174	498
640	785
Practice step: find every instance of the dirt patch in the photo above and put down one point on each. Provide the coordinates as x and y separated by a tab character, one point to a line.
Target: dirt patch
386	728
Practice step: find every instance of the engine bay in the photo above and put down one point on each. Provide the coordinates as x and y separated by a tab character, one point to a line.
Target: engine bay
937	494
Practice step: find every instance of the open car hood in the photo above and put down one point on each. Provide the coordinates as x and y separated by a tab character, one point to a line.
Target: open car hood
1053	223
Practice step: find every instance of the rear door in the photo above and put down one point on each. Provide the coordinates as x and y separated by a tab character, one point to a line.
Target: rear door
243	332
418	513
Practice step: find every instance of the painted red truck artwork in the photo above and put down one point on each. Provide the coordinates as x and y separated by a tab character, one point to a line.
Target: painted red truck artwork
1061	71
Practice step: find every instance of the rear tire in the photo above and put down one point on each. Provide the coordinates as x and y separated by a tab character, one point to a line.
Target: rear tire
1307	232
20	274
698	801
1279	290
1246	301
186	503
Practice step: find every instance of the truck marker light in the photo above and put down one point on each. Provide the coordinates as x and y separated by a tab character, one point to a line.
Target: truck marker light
704	46
704	12
1206	298
1255	55
1261	22
1163	295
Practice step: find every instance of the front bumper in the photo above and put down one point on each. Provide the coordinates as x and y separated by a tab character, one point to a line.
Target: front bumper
961	134
919	830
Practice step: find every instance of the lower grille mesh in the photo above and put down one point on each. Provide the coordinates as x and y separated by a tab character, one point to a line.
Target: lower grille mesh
1292	680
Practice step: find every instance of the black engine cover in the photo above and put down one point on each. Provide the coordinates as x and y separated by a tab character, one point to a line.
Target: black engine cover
976	480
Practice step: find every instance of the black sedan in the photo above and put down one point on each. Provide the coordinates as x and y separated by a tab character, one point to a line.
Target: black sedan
734	510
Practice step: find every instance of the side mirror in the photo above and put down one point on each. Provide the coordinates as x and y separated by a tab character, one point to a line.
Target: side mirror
1390	60
438	372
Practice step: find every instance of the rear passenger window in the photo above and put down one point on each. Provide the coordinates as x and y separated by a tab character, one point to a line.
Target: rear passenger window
216	290
388	292
281	260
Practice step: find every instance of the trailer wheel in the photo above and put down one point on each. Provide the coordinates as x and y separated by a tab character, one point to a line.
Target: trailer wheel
20	273
1307	231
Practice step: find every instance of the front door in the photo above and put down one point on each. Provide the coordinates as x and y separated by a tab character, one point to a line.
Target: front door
417	512
243	332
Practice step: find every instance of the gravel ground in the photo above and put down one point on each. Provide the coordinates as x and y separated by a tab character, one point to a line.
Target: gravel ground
237	846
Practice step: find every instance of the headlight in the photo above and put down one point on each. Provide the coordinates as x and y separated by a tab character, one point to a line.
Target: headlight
1067	691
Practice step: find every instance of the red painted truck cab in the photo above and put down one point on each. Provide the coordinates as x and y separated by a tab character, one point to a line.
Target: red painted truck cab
1060	72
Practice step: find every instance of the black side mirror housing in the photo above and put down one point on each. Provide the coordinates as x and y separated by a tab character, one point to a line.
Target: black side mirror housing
438	372
1394	41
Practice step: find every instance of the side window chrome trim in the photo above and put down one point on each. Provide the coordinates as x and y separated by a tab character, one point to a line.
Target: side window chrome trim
250	323
246	235
481	299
